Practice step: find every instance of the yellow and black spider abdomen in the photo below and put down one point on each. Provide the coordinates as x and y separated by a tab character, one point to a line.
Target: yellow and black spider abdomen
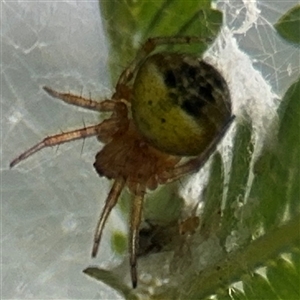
180	103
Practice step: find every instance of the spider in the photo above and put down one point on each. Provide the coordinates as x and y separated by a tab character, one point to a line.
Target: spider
166	106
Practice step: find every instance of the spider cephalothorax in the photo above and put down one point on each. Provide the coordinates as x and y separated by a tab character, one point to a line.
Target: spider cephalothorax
165	107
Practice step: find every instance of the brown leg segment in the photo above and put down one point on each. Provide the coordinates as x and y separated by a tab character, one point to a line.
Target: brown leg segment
105	105
111	201
135	221
57	140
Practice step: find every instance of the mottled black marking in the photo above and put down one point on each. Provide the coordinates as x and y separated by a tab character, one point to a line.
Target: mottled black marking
163	120
150	102
206	92
193	85
219	83
193	106
174	97
170	79
189	71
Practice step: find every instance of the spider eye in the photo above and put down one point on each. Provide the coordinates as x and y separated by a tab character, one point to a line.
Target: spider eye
180	103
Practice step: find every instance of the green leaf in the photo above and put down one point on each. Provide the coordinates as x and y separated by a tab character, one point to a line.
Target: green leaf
289	25
268	224
237	264
276	190
287	286
112	280
238	179
130	23
119	242
258	287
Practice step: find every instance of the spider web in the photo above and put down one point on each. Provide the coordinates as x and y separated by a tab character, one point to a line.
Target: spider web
50	202
257	64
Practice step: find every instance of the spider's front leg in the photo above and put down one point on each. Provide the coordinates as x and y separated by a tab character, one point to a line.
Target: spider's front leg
103	106
103	130
57	140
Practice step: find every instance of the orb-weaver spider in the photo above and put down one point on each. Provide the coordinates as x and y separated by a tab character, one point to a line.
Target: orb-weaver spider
166	106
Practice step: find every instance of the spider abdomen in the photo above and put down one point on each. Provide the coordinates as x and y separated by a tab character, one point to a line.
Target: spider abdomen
180	103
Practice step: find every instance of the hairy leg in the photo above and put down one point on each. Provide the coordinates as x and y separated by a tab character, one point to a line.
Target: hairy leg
105	105
135	221
61	138
111	201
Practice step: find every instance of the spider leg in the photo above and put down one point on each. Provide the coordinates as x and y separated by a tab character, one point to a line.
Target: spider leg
148	47
58	139
195	164
106	105
135	221
111	201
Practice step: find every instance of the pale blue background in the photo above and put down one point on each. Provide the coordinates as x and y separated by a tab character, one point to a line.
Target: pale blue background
50	203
